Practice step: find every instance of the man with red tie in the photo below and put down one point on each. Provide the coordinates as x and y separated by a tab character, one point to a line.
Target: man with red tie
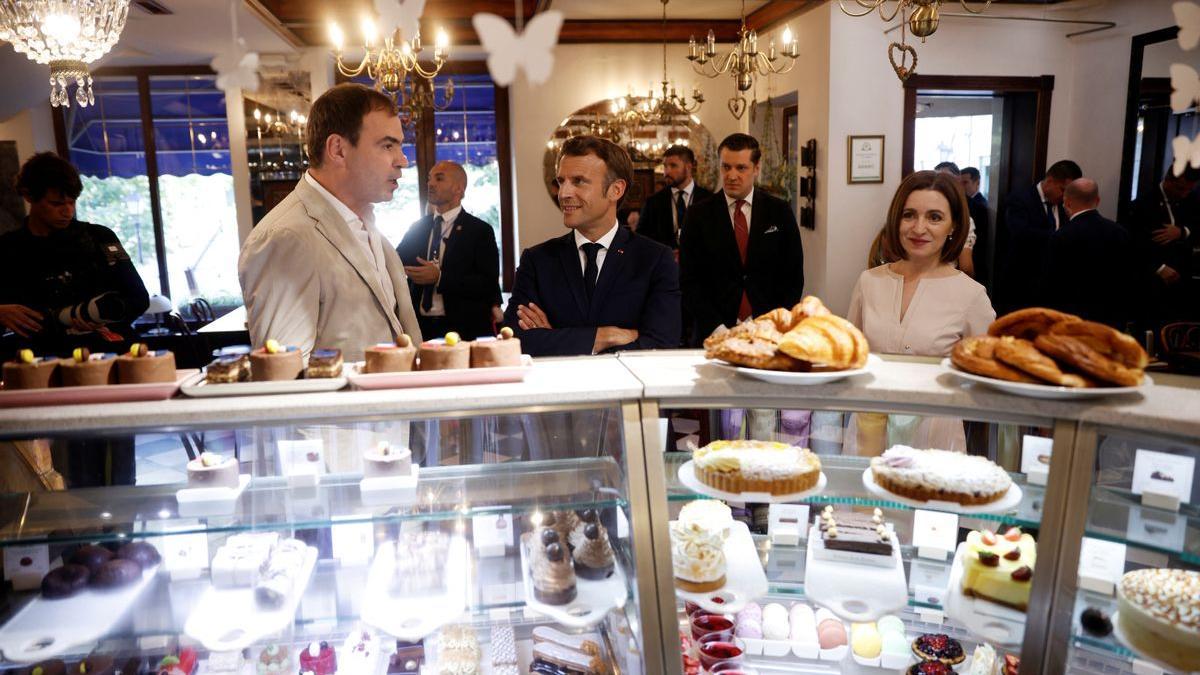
740	253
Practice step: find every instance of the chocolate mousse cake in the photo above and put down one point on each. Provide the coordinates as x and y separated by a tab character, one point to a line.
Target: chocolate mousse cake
324	363
212	470
449	353
400	357
31	372
51	667
275	362
550	567
386	460
87	369
855	532
500	351
590	548
142	365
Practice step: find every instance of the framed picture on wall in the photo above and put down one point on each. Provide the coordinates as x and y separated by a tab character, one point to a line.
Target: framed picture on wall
864	159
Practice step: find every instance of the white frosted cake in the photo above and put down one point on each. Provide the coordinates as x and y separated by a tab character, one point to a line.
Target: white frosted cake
1160	615
940	475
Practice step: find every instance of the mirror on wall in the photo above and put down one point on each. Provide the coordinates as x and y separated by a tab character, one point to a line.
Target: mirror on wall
627	121
275	118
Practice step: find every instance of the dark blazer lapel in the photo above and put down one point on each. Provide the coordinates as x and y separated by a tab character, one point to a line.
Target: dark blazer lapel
568	256
614	261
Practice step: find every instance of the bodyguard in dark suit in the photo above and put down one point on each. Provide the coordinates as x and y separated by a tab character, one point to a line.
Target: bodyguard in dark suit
977	205
1030	216
740	254
452	262
664	212
599	288
1164	228
1089	261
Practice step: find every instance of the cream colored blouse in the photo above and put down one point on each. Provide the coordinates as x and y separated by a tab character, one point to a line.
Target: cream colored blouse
942	311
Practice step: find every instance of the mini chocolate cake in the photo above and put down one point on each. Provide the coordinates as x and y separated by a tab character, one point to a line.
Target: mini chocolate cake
408	658
450	353
65	581
212	470
142	365
275	362
30	372
96	664
140	552
324	363
86	369
503	350
117	573
50	667
90	556
400	357
856	532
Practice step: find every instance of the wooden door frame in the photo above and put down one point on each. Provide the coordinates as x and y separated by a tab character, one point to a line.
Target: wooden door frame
1138	44
1043	86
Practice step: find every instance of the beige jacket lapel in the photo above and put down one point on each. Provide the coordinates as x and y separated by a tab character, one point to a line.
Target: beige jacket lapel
331	226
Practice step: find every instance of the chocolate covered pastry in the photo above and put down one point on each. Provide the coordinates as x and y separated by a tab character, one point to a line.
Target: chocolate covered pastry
855	532
550	567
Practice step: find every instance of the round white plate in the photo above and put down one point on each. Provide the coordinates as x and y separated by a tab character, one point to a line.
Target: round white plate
1009	502
784	377
1120	636
1047	391
687	476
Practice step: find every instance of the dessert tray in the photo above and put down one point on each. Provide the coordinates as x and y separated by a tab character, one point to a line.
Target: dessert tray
229	619
100	393
995	623
413	616
1045	391
593	600
210	501
437	378
46	628
687	476
812	378
199	387
1009	502
855	592
745	580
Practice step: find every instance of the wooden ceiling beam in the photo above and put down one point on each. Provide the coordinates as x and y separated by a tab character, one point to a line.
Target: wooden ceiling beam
776	12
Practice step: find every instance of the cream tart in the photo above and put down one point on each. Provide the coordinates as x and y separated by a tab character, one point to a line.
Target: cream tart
697	557
941	475
1160	615
756	466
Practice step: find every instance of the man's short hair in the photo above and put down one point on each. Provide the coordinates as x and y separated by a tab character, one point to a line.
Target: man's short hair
971	172
341	110
681	151
47	171
617	164
738	142
1064	170
948	166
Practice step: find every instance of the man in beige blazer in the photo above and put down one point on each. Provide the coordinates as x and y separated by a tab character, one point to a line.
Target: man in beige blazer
315	272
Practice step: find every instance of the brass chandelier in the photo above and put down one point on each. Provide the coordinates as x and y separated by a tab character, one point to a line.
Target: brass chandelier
665	109
922	22
744	61
396	69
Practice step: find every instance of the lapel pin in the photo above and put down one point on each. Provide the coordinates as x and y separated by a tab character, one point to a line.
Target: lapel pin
458	228
620	250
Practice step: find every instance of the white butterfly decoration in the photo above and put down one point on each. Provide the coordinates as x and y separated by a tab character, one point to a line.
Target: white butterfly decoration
1187	151
237	68
1187	17
1185	82
533	49
405	14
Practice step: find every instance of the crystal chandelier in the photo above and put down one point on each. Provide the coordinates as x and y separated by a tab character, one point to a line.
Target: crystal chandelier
743	61
65	34
923	22
395	65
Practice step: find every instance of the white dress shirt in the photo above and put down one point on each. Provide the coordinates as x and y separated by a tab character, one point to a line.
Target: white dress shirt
437	307
1042	196
605	242
687	201
365	233
746	208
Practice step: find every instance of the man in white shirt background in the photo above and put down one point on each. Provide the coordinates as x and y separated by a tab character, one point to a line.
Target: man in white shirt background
315	272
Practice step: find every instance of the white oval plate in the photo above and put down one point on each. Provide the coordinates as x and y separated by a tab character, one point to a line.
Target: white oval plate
594	598
687	476
1046	391
745	580
1009	502
784	377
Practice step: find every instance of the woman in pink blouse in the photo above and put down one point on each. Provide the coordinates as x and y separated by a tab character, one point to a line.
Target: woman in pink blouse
921	304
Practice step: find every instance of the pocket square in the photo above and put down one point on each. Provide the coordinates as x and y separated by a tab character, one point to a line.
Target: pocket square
771	229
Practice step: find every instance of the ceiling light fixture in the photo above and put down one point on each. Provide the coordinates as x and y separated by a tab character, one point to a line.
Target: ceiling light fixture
922	22
744	61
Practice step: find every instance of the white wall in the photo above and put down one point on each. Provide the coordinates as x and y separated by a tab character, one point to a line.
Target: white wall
32	132
584	74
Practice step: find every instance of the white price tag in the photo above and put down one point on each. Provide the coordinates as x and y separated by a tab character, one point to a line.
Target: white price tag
1101	564
353	543
185	556
1162	479
935	534
1035	458
25	566
492	534
302	462
787	523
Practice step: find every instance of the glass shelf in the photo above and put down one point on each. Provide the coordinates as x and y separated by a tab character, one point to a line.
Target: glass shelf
1118	516
443	493
844	476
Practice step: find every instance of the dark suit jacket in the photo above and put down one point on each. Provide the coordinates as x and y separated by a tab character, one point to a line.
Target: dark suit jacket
1149	215
711	273
638	288
656	221
978	206
1024	235
470	282
1088	270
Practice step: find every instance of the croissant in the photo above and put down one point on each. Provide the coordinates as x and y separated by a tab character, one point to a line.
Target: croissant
827	340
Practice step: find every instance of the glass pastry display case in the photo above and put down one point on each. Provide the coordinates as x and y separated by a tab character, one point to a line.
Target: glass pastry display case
459	530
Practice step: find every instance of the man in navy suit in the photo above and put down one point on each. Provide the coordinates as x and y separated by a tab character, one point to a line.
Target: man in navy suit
664	212
451	260
1030	216
740	254
977	205
1090	266
598	288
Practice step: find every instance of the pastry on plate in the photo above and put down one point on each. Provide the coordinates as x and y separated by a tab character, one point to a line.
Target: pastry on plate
212	470
1159	613
999	568
550	566
142	364
275	362
503	350
940	475
977	354
85	369
1106	340
1075	353
828	341
756	466
590	548
448	353
31	372
1028	323
227	369
1024	356
324	363
751	344
397	357
697	557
